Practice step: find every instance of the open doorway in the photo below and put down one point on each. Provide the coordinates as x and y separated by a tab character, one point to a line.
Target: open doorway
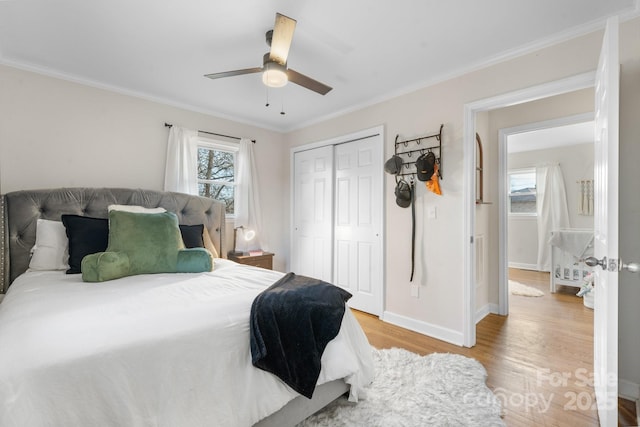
555	330
533	151
516	139
493	238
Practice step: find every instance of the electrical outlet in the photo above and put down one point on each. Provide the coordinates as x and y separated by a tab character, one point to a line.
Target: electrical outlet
415	291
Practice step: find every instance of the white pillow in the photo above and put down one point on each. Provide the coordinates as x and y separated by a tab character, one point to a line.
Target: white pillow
135	209
51	251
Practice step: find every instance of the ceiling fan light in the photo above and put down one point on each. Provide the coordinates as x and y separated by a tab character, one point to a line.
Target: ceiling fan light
274	75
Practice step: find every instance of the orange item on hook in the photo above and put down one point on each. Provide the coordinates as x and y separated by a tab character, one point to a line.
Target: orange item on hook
433	184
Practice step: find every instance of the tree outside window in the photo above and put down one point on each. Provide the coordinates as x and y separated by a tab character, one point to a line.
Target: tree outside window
216	174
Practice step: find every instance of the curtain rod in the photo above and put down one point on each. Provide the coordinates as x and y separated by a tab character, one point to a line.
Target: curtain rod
168	125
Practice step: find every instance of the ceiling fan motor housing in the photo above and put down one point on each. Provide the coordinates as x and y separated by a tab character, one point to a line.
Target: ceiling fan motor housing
268	37
274	74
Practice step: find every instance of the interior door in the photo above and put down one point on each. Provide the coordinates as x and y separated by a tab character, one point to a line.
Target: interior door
606	227
358	222
313	213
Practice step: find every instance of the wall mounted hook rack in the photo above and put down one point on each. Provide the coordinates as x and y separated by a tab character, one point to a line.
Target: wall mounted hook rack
406	148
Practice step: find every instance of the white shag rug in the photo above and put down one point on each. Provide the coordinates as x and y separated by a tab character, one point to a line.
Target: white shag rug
410	390
517	288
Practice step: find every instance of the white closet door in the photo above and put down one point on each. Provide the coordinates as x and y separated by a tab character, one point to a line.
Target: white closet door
313	213
358	222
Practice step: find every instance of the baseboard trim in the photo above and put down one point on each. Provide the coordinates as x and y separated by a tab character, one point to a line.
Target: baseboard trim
523	266
433	331
487	309
628	390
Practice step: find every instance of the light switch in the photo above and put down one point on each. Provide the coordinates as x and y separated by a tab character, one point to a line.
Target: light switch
431	212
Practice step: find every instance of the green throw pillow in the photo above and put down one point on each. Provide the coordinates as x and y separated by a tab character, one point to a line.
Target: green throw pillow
143	243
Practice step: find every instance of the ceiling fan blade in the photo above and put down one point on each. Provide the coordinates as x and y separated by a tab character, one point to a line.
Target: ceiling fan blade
307	82
234	73
282	37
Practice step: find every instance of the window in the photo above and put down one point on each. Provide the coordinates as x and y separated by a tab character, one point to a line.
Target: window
216	172
522	192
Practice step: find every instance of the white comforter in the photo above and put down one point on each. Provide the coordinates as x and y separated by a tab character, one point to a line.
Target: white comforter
152	350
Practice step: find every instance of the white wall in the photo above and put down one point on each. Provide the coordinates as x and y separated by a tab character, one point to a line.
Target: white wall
56	133
576	162
522	241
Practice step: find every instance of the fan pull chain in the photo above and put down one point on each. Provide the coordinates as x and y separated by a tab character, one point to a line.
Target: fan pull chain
267	104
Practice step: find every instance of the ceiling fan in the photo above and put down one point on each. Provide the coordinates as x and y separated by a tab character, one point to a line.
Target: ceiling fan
274	70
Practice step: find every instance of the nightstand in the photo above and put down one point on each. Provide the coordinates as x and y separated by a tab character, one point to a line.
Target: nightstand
265	260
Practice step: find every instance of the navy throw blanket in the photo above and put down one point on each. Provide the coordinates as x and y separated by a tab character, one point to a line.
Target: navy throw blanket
291	323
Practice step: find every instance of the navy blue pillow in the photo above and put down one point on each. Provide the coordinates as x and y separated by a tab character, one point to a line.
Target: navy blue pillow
86	236
192	235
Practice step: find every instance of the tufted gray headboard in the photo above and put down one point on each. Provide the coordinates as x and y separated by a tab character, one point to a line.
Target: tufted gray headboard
22	209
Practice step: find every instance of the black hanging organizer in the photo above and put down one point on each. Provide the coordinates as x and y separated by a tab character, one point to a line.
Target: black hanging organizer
411	149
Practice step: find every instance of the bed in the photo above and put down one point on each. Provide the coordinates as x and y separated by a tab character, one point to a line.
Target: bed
149	350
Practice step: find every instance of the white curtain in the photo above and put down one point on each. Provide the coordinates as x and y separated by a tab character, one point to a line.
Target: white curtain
247	202
551	208
181	171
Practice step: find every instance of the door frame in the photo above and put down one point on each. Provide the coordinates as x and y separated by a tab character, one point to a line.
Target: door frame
503	217
558	87
342	139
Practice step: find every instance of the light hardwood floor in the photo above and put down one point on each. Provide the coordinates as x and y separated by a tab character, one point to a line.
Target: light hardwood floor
539	359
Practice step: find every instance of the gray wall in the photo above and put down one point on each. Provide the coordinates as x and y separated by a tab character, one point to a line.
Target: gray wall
629	297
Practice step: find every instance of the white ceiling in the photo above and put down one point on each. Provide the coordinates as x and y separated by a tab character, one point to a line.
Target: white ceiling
367	51
574	134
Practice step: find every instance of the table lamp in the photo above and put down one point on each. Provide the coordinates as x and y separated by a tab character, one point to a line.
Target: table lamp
247	235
